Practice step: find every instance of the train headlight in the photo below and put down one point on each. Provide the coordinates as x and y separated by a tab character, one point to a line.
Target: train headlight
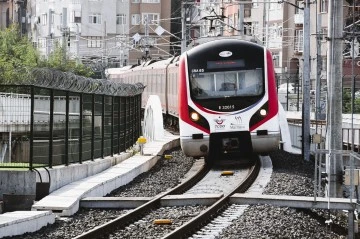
194	116
263	112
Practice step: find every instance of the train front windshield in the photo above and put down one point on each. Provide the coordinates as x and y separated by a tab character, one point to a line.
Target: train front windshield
239	83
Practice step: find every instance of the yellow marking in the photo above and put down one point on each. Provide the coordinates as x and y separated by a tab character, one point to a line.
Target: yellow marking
226	173
162	221
141	140
168	156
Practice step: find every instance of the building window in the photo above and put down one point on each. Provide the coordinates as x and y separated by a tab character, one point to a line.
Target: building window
323	33
276	59
255	3
299	9
95	18
324	64
323	5
299	41
44	19
151	1
94	42
76	16
152	18
255	28
135	19
120	19
135	1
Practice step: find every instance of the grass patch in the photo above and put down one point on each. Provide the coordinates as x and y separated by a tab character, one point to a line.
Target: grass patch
18	166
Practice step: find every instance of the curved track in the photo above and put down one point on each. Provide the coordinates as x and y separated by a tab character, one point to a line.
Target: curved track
189	227
218	207
130	217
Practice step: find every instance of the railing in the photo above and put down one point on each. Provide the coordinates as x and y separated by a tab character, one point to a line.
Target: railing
334	166
319	127
43	127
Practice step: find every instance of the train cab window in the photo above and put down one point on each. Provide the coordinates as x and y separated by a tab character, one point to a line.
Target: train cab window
242	83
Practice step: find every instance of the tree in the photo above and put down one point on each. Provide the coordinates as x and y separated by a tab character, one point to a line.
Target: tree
57	61
347	102
17	56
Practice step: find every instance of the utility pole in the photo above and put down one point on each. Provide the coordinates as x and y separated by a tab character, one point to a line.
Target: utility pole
50	33
183	28
318	67
104	60
241	19
64	33
146	38
306	84
77	44
264	36
334	111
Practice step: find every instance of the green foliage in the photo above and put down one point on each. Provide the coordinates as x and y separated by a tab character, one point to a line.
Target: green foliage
58	60
17	56
347	102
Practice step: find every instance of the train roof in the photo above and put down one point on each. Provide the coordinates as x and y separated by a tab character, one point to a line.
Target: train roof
111	71
158	64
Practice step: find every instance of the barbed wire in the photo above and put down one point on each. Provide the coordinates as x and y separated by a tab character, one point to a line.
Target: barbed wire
56	79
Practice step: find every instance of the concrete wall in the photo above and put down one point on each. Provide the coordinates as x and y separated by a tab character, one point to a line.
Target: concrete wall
24	182
17	182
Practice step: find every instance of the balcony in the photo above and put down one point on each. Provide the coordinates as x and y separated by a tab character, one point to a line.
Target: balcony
299	19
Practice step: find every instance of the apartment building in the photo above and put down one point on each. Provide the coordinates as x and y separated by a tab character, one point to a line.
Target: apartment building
93	31
107	32
149	24
10	12
4	14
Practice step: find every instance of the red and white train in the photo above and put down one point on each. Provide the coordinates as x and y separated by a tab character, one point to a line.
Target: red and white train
223	93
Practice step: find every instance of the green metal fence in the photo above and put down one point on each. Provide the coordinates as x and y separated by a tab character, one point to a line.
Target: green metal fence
45	127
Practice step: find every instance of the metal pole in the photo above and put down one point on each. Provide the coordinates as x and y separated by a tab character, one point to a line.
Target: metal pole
112	125
51	128
183	28
353	80
50	34
77	44
81	126
67	135
102	125
306	83
92	126
32	109
318	69
241	19
334	78
64	33
10	145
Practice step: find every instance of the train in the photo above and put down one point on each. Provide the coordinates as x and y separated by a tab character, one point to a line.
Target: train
222	94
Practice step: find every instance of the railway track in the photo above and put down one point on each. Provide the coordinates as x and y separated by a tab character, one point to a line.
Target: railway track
124	220
136	216
216	209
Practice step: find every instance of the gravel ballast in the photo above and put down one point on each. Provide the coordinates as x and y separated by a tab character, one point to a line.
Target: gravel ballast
294	177
291	176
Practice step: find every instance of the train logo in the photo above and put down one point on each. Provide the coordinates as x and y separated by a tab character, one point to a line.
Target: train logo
225	54
238	125
219	120
238	119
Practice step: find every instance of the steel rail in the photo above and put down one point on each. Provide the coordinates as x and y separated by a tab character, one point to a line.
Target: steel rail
126	219
203	218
